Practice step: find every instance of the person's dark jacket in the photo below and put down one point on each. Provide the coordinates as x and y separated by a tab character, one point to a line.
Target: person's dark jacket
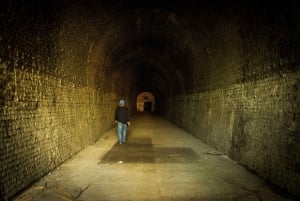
122	115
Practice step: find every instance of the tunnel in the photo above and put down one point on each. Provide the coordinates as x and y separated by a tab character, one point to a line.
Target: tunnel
145	102
225	72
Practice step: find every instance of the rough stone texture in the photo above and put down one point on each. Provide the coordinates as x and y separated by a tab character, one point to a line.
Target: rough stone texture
254	123
51	106
244	97
227	73
46	123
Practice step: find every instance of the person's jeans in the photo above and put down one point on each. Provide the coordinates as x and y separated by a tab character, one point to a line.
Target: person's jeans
122	132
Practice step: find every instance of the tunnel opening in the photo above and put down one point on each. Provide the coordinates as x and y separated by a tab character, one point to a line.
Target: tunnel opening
145	102
147	106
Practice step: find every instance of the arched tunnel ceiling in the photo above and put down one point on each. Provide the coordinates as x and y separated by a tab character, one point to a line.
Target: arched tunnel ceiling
154	34
148	56
134	41
158	40
151	51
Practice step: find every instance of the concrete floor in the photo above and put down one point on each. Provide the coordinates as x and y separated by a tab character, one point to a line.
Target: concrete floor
159	162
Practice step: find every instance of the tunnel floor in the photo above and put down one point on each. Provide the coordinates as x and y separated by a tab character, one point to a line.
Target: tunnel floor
159	162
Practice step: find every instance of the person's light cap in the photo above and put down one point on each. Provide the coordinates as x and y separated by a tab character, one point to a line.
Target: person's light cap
122	102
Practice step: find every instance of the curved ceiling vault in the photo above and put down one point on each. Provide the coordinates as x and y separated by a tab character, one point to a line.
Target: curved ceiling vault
152	59
144	46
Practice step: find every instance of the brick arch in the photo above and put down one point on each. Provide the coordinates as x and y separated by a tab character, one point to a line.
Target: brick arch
142	99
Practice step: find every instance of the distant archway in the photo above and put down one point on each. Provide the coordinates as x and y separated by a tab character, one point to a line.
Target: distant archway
145	102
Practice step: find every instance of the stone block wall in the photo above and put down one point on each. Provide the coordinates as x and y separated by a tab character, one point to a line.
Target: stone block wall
47	121
51	107
244	97
255	123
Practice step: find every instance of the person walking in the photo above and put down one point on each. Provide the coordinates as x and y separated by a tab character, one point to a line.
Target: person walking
122	120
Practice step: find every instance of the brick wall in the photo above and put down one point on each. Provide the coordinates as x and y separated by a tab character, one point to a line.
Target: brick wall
59	86
45	123
255	123
244	97
51	107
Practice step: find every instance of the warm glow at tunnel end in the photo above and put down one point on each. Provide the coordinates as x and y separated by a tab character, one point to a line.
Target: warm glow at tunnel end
145	102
